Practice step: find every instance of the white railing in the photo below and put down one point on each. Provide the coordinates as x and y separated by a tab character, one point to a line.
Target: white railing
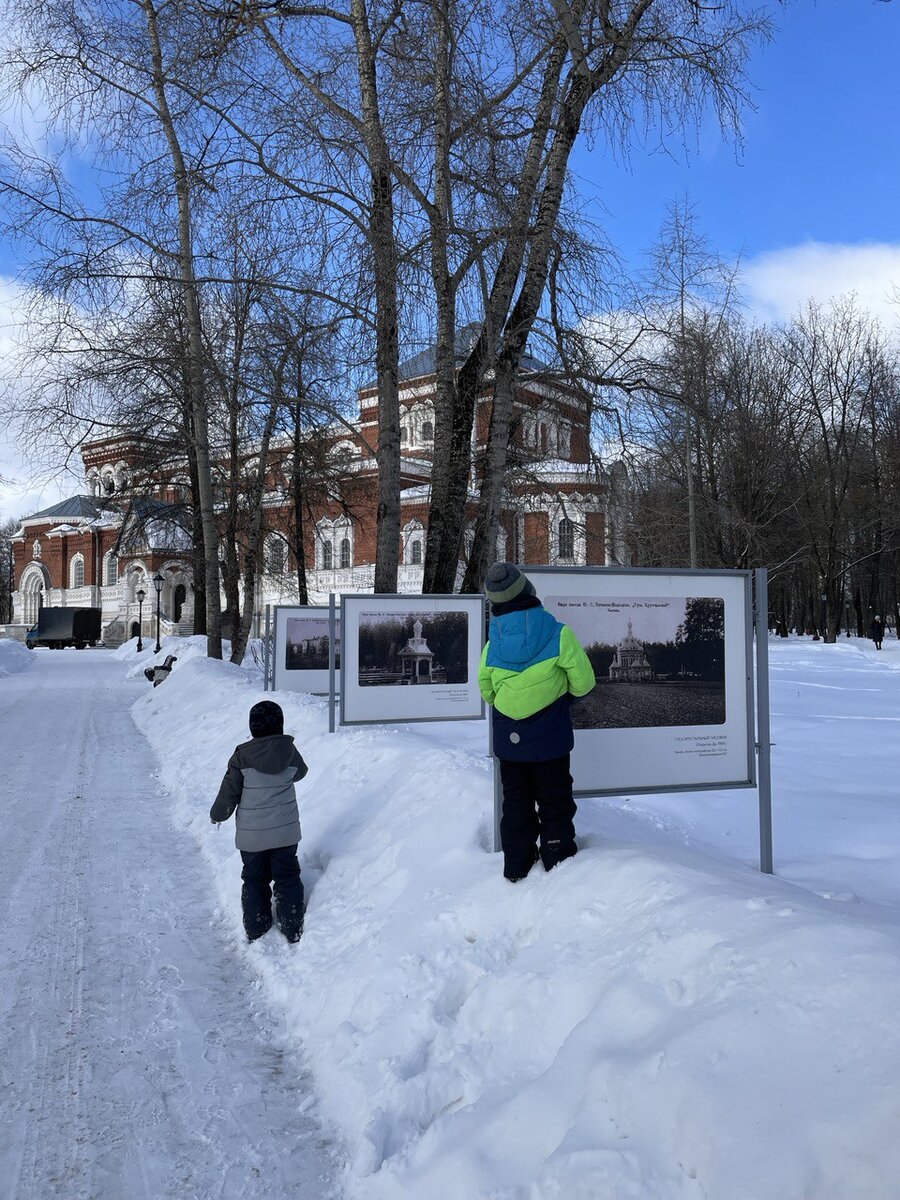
83	597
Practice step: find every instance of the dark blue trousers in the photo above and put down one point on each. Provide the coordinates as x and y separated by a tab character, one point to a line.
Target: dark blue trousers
262	869
537	802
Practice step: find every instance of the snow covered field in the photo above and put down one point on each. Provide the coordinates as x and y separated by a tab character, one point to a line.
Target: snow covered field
653	1020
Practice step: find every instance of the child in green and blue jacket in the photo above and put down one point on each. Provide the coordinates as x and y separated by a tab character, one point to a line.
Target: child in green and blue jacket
531	669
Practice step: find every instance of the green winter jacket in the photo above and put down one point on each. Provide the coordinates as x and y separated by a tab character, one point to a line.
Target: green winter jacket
530	662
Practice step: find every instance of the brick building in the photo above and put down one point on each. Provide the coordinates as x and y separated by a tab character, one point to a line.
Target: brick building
98	549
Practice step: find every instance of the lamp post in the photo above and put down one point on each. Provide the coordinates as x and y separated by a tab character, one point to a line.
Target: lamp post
158	584
140	597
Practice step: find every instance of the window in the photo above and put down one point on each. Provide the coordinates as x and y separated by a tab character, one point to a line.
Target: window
327	556
428	431
402	434
416	555
112	570
566	538
76	575
277	556
345	553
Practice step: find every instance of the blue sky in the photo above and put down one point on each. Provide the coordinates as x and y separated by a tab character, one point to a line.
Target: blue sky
811	201
821	160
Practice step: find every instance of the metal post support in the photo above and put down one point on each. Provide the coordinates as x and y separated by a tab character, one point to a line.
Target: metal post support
498	806
266	652
763	744
332	630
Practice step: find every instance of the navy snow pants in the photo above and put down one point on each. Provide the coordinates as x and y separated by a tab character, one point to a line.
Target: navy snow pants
262	868
537	802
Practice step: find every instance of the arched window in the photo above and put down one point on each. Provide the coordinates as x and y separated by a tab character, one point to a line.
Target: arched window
566	538
276	556
76	572
416	553
346	556
428	431
327	556
112	570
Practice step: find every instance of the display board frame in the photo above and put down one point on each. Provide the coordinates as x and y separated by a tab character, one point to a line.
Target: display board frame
741	584
353	705
318	679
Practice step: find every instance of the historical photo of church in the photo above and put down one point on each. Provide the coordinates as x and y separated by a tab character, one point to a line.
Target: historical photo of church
413	649
306	644
659	661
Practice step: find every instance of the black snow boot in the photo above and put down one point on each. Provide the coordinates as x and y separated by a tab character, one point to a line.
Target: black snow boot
516	869
255	932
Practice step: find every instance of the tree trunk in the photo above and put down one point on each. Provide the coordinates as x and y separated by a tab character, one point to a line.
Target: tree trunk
200	421
387	345
444	453
519	327
451	476
241	631
297	490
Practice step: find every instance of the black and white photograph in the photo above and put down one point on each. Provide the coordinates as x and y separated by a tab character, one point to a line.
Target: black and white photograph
300	651
411	658
659	661
306	644
413	649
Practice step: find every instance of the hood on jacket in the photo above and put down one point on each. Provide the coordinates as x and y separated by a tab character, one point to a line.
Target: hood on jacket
271	754
519	638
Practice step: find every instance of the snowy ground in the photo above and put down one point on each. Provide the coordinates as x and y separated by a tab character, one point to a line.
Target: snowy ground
14	657
653	1020
137	1056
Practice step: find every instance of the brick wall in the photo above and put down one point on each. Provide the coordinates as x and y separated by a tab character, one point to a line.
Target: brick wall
537	538
596	539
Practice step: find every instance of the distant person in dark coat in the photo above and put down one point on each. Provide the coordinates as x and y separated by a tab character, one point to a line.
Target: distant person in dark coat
259	784
876	632
531	669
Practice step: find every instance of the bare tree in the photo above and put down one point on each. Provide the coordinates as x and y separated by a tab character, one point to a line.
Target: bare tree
115	67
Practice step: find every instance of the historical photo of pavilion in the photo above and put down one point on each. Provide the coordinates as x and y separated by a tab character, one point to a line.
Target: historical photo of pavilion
306	644
413	648
659	661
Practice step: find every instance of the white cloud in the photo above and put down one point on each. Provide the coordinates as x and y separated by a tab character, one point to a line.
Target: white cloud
780	282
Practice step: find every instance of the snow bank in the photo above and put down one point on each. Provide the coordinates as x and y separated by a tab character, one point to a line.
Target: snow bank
184	649
643	1022
14	657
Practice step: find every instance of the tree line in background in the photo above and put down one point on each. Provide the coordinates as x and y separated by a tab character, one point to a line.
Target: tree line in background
775	446
231	211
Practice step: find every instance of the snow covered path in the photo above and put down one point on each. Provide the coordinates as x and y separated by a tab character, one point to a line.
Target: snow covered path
137	1056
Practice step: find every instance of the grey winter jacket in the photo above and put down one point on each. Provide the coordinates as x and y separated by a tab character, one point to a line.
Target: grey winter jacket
259	783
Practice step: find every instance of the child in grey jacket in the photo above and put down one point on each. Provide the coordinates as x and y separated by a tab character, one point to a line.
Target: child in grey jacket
259	784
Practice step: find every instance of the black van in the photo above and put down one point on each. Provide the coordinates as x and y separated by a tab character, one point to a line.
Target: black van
60	627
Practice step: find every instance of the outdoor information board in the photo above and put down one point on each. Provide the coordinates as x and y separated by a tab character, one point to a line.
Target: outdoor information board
672	652
300	649
410	658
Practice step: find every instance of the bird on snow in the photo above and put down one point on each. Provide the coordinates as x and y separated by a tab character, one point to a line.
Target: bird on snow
157	674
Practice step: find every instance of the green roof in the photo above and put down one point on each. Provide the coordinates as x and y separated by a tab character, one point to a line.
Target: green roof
76	506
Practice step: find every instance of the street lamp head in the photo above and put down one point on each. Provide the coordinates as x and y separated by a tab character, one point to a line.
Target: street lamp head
158	582
140	595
